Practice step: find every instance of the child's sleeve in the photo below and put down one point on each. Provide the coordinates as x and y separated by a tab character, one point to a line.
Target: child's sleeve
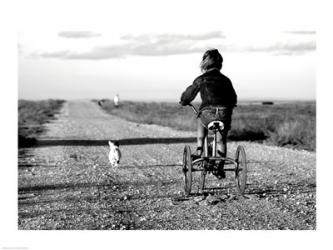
190	93
233	95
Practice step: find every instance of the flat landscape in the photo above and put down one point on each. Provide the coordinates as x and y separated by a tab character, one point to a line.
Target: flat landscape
289	124
66	182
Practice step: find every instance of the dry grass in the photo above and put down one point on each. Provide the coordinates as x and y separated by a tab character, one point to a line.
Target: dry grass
31	117
290	124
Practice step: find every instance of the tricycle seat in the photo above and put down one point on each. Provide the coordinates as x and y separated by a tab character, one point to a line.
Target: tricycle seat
216	125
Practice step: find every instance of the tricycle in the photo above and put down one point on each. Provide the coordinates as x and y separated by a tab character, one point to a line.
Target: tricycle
210	160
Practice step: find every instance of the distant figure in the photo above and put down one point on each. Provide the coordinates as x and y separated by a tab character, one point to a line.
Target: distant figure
267	103
101	102
116	100
218	100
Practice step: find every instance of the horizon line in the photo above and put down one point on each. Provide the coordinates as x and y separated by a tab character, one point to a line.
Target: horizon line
171	100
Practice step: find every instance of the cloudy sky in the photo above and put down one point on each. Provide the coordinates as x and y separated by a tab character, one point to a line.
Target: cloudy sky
151	50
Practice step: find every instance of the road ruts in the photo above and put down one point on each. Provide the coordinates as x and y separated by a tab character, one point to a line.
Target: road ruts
66	181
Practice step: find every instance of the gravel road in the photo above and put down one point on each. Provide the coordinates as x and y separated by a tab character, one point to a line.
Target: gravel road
66	181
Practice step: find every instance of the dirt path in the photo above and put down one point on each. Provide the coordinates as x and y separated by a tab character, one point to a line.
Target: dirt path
66	181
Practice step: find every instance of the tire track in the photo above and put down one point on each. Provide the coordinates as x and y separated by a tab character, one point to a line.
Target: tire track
70	185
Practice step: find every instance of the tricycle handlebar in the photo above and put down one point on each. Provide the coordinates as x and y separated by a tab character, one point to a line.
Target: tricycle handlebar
193	108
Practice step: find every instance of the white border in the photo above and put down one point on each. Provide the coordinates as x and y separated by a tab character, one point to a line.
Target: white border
11	237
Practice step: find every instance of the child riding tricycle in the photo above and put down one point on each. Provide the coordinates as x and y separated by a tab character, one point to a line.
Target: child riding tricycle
214	115
212	162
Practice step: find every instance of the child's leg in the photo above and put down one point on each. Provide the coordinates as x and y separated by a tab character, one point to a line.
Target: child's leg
222	151
222	143
202	132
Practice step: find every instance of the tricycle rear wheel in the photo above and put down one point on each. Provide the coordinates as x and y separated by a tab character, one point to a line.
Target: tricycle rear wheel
202	180
187	169
240	170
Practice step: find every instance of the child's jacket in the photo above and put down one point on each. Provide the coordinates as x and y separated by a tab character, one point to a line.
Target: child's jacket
215	89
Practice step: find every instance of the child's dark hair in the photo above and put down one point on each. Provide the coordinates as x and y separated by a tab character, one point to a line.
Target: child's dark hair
211	59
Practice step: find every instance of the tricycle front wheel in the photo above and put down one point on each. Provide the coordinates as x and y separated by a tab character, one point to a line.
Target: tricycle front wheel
187	169
240	170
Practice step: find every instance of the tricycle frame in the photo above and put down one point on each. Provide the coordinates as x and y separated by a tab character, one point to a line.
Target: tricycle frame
208	163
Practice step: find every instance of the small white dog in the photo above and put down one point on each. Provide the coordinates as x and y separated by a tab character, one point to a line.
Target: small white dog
115	154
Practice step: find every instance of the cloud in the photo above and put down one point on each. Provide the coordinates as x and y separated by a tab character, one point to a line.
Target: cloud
142	45
180	44
175	37
78	34
301	32
284	48
58	54
108	52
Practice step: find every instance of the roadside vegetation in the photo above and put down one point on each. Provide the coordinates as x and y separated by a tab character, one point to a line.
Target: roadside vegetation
31	117
287	124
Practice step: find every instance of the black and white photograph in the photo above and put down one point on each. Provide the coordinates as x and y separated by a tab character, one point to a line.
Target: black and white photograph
154	116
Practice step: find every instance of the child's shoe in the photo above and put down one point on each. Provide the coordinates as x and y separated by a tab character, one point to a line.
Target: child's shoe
220	167
197	154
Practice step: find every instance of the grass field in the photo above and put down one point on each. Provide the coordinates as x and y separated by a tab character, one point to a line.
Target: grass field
31	117
287	124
